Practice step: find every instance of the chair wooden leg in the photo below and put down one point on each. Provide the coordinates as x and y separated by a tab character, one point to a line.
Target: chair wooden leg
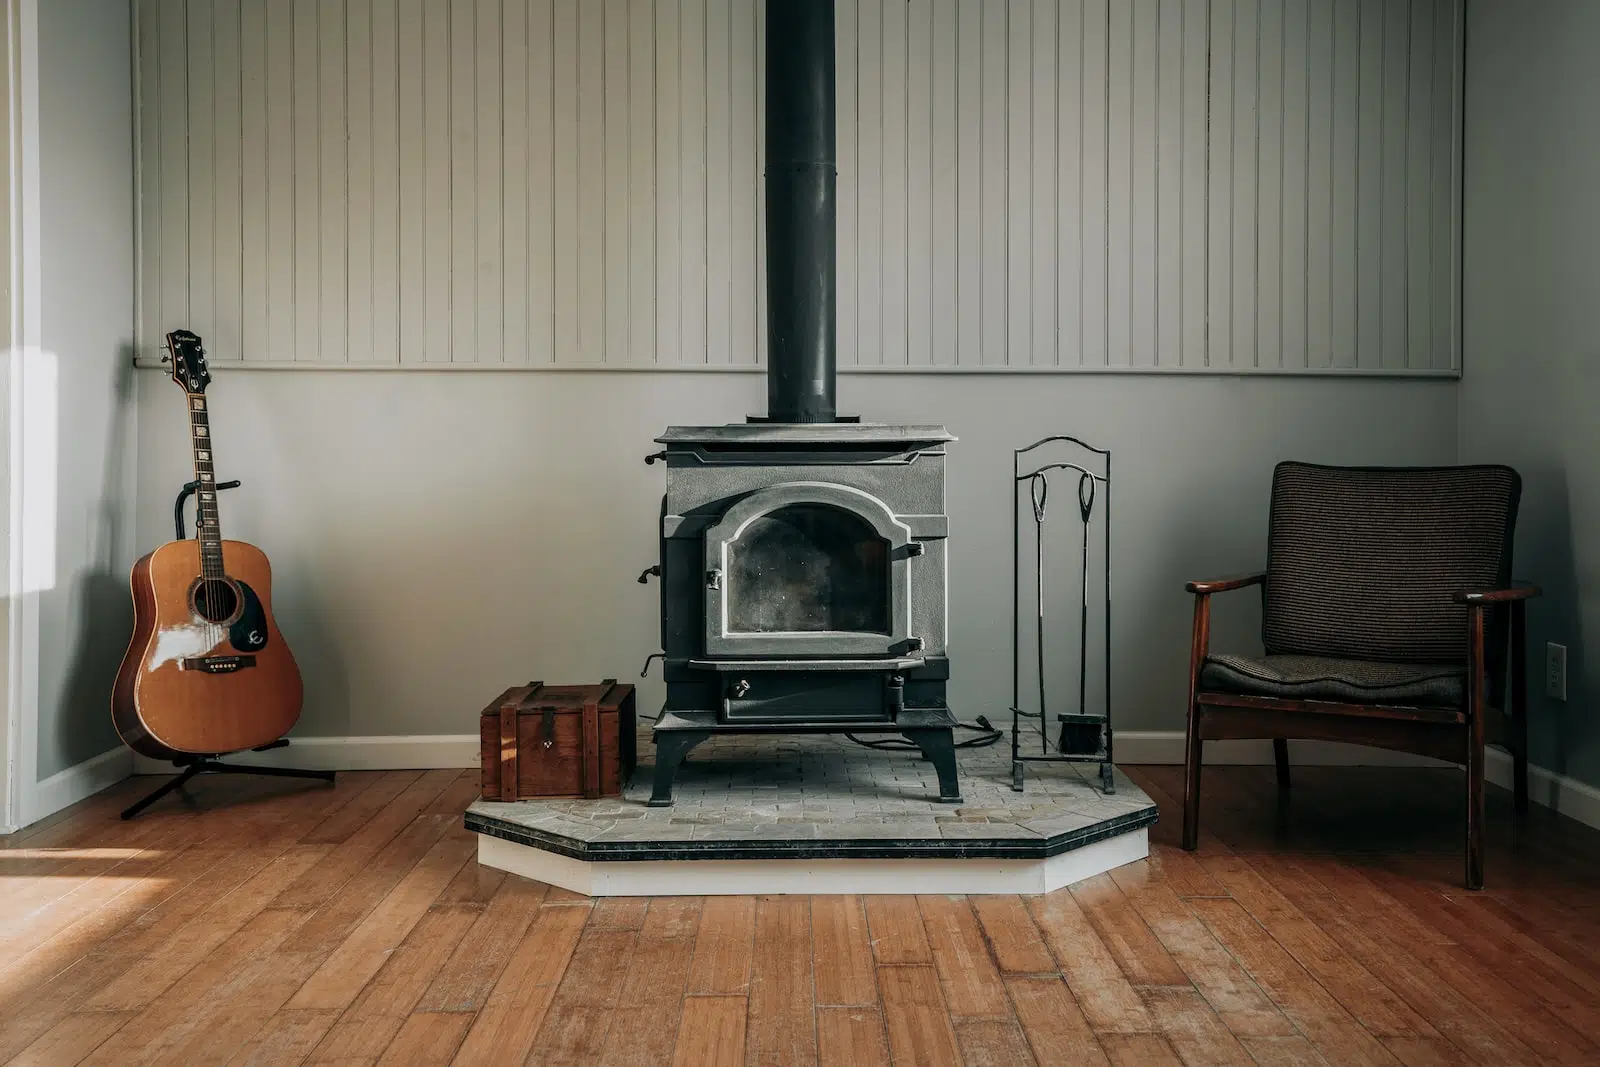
1191	782
1519	707
1280	756
1474	755
1474	878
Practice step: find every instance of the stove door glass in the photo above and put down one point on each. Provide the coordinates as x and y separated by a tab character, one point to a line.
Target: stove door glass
806	568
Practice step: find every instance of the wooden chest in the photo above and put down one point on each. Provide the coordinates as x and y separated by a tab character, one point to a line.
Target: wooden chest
558	741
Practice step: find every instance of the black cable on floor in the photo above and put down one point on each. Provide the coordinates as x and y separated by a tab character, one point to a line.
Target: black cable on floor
989	735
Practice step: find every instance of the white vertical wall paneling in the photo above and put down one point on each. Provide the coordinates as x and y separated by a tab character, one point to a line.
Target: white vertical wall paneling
202	128
719	179
920	220
870	202
1193	247
1094	169
1318	280
1294	133
1269	221
362	127
1445	249
172	165
1041	229
1344	215
489	283
437	205
332	329
743	184
254	202
1069	247
411	188
993	237
227	197
615	273
462	51
514	167
1220	138
895	183
1369	186
148	274
306	180
1245	144
1020	150
1232	184
1167	223
693	169
668	216
382	294
943	220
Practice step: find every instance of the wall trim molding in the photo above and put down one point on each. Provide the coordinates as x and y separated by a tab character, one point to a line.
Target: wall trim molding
936	369
79	782
1568	796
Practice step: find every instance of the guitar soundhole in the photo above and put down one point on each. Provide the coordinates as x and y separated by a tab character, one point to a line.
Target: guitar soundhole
216	600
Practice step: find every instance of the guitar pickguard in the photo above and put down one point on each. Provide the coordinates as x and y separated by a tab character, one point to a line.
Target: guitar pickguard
249	631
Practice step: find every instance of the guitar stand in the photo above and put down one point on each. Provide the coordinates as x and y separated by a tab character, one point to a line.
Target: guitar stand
202	763
212	764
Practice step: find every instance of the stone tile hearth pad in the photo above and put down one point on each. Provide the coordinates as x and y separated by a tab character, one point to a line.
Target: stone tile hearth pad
824	797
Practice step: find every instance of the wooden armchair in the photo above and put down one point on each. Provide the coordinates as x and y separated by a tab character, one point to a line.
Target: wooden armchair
1386	603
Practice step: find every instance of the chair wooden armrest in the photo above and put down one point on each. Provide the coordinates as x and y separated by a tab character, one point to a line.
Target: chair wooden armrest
1497	596
1207	586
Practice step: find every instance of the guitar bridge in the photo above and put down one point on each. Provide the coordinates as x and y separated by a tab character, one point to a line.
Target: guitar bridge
217	664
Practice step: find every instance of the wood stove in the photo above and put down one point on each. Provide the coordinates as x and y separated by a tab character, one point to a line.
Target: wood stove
803	564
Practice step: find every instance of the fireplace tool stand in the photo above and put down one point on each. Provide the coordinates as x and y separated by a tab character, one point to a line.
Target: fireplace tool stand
197	763
1084	736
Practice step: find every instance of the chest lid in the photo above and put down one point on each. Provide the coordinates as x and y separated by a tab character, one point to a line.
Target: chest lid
536	698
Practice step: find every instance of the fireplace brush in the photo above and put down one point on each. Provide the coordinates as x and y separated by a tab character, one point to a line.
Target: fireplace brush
1083	737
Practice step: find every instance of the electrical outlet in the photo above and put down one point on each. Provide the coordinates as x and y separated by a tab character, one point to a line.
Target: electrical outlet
1555	671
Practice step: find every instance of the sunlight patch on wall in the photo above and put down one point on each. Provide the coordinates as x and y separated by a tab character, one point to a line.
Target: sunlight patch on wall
35	408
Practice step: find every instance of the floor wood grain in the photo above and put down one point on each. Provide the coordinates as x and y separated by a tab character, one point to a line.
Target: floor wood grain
276	923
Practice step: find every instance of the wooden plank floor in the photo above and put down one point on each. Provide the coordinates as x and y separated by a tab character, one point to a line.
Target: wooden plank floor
288	924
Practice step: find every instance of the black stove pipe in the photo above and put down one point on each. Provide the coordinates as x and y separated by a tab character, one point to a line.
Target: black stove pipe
802	182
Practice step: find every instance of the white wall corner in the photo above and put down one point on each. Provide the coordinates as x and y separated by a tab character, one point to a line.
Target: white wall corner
65	788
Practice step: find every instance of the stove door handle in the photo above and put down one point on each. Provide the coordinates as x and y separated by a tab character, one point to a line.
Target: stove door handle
714	578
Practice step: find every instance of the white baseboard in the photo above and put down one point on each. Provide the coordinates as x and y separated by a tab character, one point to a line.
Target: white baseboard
426	752
80	782
400	753
1570	797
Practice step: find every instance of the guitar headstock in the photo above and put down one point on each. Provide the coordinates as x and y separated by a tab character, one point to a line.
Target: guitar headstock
188	361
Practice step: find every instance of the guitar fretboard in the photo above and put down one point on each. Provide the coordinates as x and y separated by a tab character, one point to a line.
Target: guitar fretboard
207	529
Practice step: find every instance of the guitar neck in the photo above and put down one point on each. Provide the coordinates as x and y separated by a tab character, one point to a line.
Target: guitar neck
208	529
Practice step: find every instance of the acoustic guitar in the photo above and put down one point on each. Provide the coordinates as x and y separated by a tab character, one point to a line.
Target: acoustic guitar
207	671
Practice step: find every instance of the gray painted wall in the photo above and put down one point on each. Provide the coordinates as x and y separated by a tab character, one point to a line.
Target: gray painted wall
87	291
438	536
1532	355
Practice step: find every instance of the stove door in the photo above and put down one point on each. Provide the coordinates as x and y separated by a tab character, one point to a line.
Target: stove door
808	569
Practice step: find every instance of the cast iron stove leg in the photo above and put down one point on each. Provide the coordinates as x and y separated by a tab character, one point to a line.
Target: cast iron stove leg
1108	784
671	748
939	748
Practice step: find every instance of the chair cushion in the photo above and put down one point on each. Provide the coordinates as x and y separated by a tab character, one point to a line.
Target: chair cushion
1362	562
1326	678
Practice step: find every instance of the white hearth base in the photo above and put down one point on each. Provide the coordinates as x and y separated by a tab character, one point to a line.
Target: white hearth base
709	877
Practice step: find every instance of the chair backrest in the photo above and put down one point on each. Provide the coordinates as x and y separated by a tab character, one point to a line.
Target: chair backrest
1362	562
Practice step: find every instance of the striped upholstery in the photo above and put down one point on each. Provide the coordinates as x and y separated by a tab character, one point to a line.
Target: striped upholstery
1353	681
1362	561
